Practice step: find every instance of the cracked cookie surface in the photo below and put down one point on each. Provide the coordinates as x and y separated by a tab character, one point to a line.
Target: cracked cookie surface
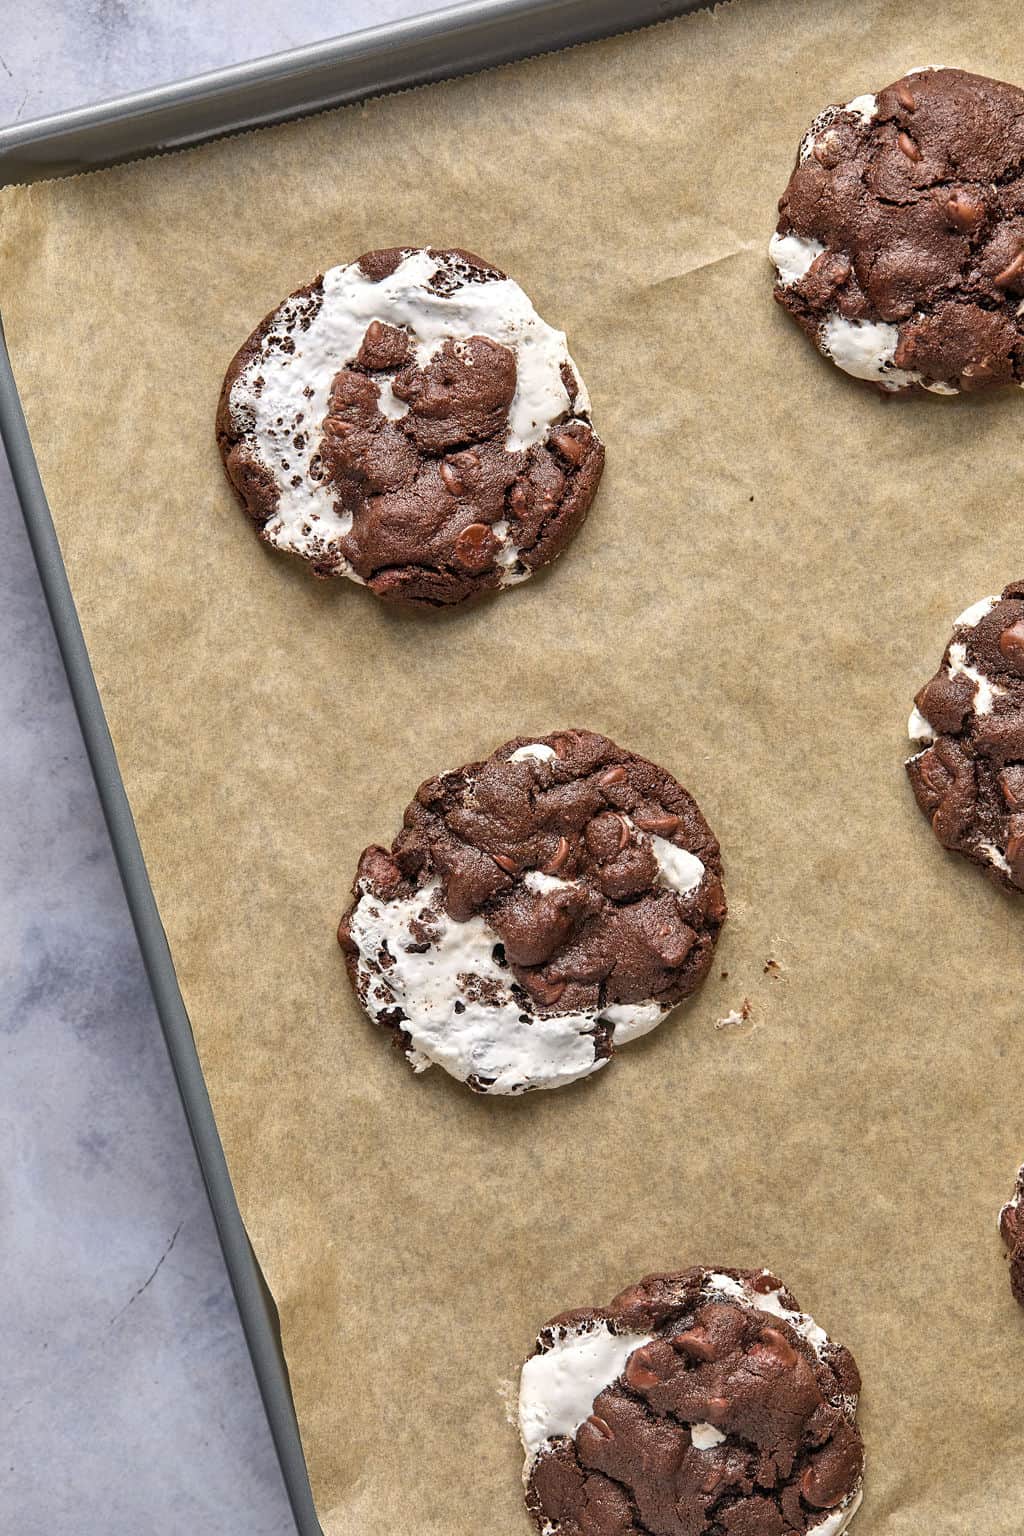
900	243
968	776
703	1403
537	910
410	421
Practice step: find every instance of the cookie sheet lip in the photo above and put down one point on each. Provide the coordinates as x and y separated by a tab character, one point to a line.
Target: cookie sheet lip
900	244
411	422
968	726
539	909
679	1390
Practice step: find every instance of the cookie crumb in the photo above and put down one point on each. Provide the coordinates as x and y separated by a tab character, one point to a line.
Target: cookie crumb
737	1016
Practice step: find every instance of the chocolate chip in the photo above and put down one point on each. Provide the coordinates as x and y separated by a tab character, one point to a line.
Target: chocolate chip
453	484
765	1282
546	992
661	826
1011	645
504	862
613	775
475	547
1015	848
965	210
559	859
908	146
775	1343
905	98
335	427
1011	785
569	447
624	832
694	1344
638	1372
602	1427
826	150
827	1480
1009	275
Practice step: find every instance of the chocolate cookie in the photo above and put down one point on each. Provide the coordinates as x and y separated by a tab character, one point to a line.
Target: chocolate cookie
536	910
969	778
900	245
697	1404
410	421
1011	1225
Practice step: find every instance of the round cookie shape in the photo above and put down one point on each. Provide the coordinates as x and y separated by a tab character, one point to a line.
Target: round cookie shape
409	421
537	910
968	774
900	243
703	1403
1011	1226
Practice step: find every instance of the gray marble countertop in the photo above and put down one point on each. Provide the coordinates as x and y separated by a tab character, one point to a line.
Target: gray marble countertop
129	1405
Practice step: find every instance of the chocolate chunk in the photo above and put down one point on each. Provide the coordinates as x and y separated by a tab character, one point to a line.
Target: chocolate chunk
965	210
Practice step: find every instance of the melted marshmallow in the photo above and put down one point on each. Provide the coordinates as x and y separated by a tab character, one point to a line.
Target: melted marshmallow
975	613
865	349
985	691
836	1522
281	397
705	1436
533	749
557	1388
920	729
793	256
678	869
459	1009
632	1020
458	1006
995	856
864	107
739	1291
539	883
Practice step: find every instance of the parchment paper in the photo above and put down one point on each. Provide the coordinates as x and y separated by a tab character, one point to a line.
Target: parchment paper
766	577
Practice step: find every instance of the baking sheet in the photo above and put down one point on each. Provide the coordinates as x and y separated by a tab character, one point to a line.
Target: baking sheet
859	1134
